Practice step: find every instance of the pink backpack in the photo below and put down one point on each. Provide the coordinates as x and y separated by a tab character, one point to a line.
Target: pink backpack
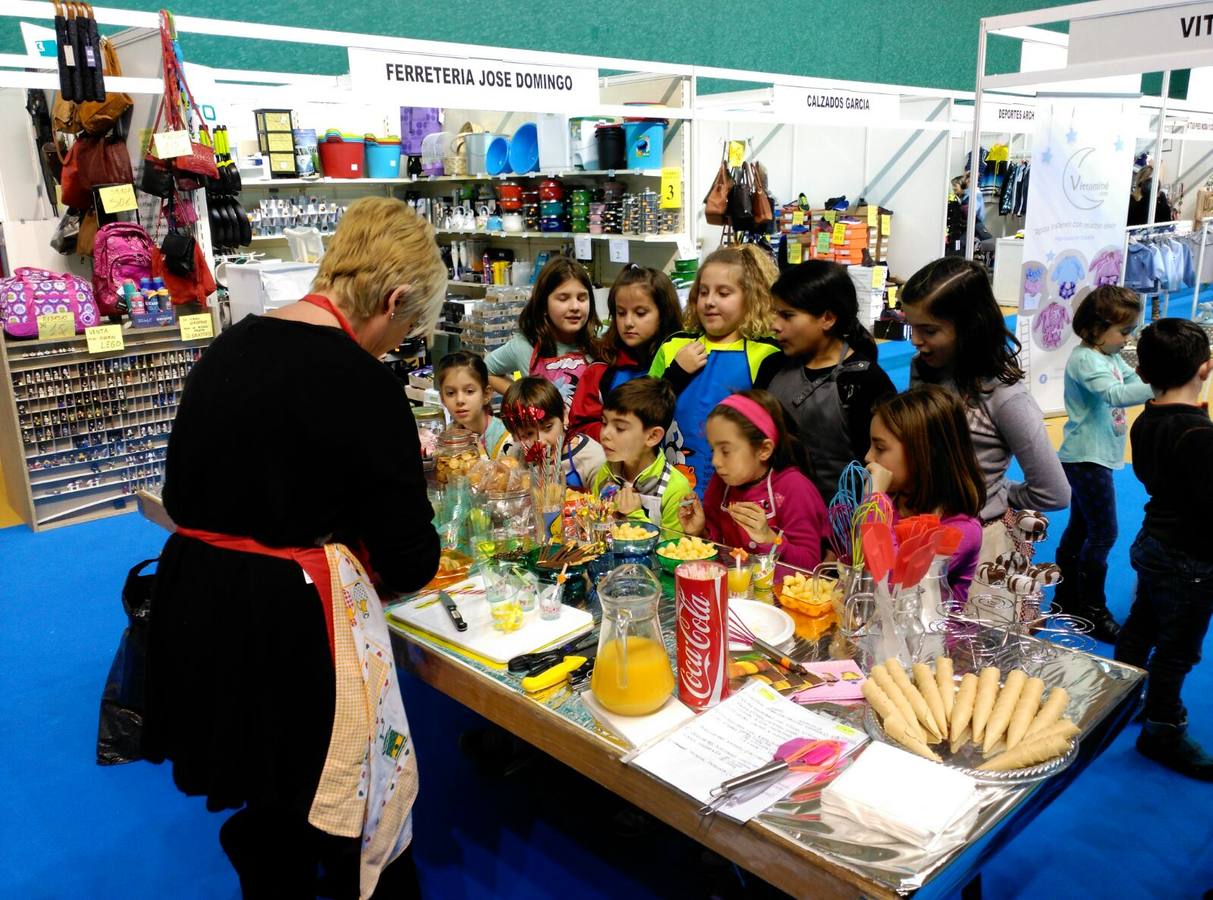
121	250
29	293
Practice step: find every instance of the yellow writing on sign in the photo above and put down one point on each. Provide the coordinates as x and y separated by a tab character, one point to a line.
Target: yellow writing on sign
878	277
104	338
196	327
798	217
170	144
671	188
873	214
56	327
840	233
823	242
118	198
736	153
886	224
892	295
794	251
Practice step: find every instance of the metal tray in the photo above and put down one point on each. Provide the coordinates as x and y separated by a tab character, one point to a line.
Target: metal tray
969	757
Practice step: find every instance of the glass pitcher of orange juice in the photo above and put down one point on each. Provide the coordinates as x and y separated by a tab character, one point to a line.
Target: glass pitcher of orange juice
632	674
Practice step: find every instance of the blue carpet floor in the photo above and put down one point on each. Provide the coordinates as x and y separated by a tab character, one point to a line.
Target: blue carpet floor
1125	829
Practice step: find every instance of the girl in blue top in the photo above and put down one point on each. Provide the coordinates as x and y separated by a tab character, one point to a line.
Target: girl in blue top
727	319
1099	385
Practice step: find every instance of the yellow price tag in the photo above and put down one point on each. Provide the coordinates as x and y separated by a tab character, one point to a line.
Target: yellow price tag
886	224
196	327
171	144
840	233
873	214
671	188
118	198
878	277
823	242
104	338
795	251
892	296
56	327
798	217
736	153
829	215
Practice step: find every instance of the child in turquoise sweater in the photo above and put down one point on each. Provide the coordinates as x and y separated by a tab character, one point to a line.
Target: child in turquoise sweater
1098	387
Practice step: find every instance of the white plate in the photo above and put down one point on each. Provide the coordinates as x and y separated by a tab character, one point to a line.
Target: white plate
768	623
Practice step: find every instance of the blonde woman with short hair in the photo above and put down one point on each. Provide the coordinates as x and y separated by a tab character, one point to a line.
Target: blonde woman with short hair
294	477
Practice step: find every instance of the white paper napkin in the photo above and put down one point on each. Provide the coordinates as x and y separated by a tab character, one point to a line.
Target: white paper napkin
905	796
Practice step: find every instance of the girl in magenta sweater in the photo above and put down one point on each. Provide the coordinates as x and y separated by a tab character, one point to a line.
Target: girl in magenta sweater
758	489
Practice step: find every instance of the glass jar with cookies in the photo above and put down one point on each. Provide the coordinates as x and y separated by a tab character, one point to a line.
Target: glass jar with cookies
457	451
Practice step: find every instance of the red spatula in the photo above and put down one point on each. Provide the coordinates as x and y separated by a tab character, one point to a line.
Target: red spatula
913	565
877	548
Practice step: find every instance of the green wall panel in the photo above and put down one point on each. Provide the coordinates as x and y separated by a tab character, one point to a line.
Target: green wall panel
920	42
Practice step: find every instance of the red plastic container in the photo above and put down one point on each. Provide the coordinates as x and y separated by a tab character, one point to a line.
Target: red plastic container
701	591
343	159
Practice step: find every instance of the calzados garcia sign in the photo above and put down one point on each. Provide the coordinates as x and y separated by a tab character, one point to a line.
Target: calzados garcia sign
416	80
825	105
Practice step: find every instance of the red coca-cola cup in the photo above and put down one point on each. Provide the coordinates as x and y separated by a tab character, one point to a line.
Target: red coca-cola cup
702	594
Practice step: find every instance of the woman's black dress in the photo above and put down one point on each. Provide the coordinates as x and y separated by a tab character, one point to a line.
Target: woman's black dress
291	434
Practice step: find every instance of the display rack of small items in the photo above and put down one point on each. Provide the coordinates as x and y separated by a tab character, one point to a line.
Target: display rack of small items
99	423
274	214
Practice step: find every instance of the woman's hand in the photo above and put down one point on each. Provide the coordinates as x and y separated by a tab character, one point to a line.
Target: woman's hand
753	521
690	514
627	500
881	477
692	357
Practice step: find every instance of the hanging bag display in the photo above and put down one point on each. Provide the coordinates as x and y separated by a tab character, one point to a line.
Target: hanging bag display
98	117
93	161
761	202
716	203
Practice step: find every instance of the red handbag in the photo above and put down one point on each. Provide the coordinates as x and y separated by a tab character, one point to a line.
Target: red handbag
92	161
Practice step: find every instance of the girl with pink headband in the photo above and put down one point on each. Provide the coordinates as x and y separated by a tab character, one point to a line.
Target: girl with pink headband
758	489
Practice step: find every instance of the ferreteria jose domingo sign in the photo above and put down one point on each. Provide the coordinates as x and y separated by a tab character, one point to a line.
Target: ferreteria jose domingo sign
415	79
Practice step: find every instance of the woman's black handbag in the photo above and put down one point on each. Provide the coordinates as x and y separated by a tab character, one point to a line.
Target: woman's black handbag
120	728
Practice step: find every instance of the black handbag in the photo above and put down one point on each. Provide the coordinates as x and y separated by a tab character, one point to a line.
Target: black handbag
178	253
741	200
156	178
120	726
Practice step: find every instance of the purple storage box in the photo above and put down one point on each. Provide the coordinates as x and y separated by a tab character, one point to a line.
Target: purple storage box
415	123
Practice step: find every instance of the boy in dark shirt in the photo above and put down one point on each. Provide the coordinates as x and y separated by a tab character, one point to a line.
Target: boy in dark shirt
1173	553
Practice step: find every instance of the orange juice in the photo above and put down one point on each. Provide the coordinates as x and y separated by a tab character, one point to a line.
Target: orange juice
639	688
739	579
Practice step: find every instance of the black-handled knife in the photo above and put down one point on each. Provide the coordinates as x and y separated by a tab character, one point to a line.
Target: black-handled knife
453	611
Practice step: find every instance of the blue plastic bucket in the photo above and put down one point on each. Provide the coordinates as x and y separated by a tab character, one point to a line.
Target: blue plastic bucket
645	143
383	160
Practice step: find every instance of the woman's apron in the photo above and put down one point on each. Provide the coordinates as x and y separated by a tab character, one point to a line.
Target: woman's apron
686	443
370	779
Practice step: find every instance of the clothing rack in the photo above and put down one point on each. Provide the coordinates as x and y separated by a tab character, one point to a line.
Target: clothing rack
1172	228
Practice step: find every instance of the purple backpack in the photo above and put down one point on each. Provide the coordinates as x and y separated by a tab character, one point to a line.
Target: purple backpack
121	250
29	293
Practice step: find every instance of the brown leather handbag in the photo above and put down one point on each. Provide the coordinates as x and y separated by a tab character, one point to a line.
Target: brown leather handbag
92	161
761	202
100	117
716	203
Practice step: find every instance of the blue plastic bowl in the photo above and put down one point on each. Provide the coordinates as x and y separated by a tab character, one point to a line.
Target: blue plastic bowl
524	149
497	156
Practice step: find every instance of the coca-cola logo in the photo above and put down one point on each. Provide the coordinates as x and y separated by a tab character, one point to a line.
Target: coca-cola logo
694	629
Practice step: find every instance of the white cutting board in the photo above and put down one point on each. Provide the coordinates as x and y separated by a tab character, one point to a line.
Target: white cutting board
481	638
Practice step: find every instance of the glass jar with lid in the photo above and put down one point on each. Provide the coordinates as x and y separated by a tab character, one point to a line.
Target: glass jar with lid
511	522
430	423
457	450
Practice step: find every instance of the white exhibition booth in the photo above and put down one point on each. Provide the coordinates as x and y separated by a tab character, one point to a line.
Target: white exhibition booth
1084	89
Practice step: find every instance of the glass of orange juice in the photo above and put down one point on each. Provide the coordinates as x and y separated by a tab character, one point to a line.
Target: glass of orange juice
741	580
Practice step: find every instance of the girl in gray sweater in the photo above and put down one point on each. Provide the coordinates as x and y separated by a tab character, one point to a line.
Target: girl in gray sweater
963	345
